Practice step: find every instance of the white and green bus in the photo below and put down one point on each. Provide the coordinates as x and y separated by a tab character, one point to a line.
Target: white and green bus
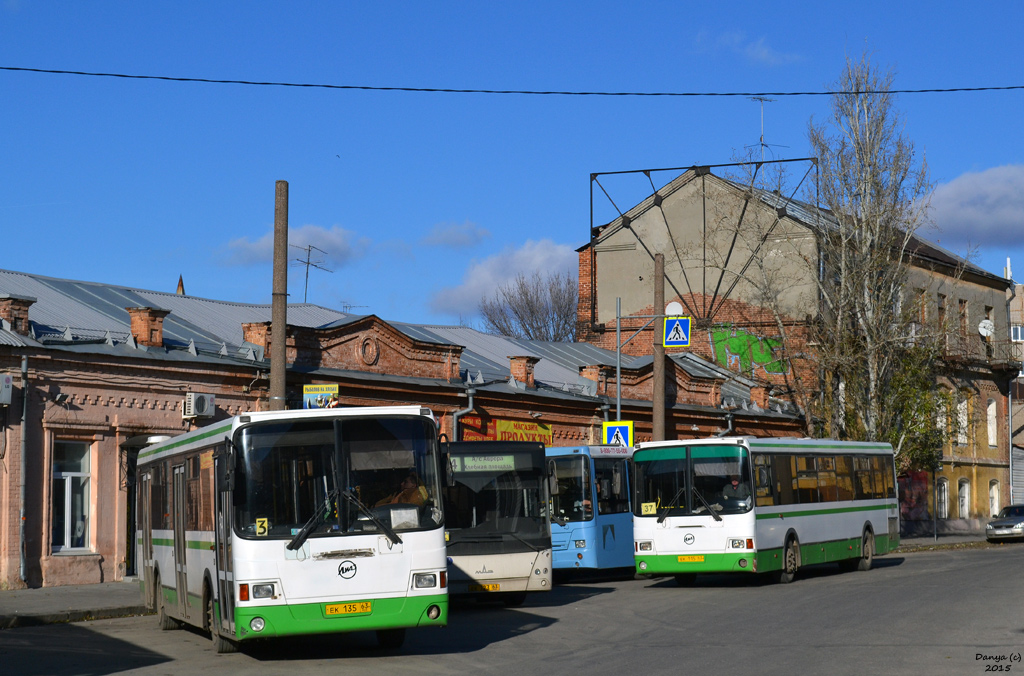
753	505
292	523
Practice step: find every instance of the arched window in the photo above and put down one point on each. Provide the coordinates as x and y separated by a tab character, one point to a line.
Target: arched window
993	427
942	498
993	497
963	498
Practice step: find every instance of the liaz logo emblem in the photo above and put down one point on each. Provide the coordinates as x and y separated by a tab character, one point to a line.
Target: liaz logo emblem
347	570
484	571
688	539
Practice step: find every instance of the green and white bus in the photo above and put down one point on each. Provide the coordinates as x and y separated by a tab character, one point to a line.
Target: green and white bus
286	523
752	505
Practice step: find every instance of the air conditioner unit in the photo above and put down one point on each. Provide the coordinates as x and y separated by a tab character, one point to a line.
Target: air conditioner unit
198	405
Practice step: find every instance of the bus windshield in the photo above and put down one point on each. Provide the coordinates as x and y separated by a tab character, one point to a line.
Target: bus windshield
496	504
692	480
571	497
290	471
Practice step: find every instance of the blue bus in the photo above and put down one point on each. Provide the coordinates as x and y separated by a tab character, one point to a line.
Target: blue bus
591	513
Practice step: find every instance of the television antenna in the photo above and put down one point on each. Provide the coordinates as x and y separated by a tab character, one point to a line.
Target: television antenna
762	100
309	263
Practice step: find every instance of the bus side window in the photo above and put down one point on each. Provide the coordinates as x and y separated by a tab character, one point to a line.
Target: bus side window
764	496
827	490
784	472
862	477
844	477
807	479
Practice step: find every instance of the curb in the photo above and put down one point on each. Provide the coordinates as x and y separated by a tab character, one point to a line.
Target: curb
40	619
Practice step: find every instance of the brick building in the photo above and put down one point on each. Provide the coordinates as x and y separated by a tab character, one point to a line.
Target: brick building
736	258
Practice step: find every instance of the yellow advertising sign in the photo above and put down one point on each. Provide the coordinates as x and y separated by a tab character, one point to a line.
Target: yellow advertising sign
475	429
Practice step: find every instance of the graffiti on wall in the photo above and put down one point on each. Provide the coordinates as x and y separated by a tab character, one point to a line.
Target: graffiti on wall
746	352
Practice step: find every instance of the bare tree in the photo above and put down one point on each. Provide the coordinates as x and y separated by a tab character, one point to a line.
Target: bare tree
878	362
535	307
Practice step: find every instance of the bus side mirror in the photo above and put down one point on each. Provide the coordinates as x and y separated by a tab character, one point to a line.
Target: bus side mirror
449	469
617	481
763	480
553	488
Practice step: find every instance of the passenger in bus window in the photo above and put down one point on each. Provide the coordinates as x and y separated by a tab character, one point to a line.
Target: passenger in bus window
736	489
411	491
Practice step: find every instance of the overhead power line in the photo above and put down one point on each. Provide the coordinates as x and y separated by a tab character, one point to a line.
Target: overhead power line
526	92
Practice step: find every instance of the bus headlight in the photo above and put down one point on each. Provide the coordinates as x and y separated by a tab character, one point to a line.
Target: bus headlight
263	591
645	546
424	580
257	624
737	543
581	544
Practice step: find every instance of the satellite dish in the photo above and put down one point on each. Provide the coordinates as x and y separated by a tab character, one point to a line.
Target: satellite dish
674	309
987	328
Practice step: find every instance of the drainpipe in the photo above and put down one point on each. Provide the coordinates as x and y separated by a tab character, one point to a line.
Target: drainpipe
728	427
458	414
21	461
1009	389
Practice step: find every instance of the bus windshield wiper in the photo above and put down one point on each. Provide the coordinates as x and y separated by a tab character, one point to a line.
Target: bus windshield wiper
671	504
392	535
319	516
706	505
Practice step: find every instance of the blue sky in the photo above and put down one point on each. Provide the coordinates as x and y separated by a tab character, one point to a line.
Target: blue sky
424	202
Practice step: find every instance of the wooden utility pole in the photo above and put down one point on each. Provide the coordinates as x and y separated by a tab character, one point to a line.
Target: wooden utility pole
279	307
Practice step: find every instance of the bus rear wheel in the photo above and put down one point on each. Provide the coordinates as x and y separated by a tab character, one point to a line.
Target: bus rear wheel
220	644
164	621
790	562
867	552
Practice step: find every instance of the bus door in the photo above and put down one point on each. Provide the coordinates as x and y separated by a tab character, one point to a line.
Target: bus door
223	518
180	545
144	522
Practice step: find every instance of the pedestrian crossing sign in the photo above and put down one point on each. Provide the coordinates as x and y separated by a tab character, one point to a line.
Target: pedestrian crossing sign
677	332
618	433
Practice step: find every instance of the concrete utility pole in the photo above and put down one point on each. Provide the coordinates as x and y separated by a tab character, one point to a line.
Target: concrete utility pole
279	307
658	396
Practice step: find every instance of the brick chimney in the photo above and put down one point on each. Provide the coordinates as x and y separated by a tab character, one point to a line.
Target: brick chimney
522	369
599	374
15	310
148	325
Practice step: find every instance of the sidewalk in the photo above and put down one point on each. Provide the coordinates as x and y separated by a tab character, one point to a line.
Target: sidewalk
76	603
73	603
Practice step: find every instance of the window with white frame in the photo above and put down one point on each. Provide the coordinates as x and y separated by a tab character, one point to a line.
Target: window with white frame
993	497
993	426
942	498
1017	333
963	498
70	524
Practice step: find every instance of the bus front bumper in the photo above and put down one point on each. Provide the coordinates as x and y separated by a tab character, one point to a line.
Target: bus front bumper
675	564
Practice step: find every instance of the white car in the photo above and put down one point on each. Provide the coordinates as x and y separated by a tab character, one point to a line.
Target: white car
1008	524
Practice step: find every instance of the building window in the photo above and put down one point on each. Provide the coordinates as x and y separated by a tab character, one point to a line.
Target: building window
963	498
993	497
962	311
70	526
961	419
942	498
993	427
1017	333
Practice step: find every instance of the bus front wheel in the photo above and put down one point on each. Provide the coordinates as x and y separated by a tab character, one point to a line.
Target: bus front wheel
220	644
790	562
165	621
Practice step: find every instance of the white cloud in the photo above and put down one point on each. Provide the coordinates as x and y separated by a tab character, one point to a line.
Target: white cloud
337	247
484	277
737	42
981	208
456	235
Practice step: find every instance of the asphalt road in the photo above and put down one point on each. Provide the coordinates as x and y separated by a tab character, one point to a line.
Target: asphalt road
931	612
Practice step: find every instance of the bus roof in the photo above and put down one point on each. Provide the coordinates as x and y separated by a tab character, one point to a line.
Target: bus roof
780	444
207	436
593	451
